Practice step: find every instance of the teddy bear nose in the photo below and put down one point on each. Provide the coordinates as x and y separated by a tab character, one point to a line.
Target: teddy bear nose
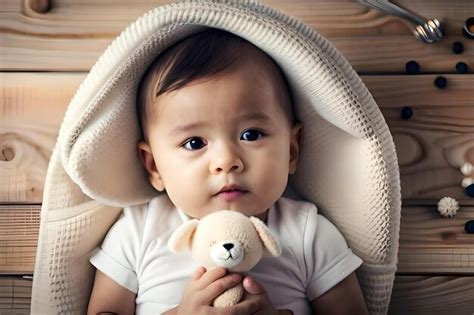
228	246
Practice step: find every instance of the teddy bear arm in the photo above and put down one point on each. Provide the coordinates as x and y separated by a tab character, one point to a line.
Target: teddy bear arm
229	297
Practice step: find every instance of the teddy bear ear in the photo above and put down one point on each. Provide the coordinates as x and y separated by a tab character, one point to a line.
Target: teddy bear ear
270	241
181	238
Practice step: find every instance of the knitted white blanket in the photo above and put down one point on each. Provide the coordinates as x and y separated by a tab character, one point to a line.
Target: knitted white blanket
348	165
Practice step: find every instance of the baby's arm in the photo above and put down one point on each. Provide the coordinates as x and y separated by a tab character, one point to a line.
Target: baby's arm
345	298
109	297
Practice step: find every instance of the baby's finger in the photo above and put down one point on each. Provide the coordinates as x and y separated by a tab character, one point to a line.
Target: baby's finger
198	273
219	286
210	276
252	286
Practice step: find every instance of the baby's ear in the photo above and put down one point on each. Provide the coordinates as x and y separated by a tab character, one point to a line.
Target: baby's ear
148	161
295	146
271	242
181	238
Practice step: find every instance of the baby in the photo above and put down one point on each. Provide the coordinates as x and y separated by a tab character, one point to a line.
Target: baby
219	132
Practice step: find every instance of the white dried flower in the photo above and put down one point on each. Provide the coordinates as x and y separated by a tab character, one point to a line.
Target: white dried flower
467	181
448	207
466	169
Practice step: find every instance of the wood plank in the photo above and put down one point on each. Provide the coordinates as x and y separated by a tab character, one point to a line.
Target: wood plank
424	295
430	243
394	92
73	34
15	295
431	146
19	228
389	54
420	295
10	6
32	106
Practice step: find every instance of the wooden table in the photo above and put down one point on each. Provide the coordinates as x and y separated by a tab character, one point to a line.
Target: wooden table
48	47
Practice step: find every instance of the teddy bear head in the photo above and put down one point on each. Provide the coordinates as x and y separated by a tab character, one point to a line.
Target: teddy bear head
226	239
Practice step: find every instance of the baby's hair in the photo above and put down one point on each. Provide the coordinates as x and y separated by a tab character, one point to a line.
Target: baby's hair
202	55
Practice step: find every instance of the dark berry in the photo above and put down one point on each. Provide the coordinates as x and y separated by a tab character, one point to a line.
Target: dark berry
441	82
412	67
406	112
469	227
458	47
470	190
462	67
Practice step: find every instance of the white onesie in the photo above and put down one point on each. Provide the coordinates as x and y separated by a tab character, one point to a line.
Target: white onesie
315	256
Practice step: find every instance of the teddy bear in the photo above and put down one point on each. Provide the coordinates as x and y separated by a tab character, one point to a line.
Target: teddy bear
226	239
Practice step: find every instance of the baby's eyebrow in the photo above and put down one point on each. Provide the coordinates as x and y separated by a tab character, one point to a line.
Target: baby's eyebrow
258	116
187	127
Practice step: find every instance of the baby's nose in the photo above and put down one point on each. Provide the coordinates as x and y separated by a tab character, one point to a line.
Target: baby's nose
224	159
228	246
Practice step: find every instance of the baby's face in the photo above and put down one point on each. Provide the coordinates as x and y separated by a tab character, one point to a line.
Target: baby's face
223	143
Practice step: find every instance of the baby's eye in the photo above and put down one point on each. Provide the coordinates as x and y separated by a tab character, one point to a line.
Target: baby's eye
251	135
194	144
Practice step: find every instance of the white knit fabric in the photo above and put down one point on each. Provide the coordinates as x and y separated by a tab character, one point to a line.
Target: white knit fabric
348	165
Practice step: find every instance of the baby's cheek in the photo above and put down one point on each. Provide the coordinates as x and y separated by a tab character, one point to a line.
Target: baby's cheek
276	166
184	197
188	191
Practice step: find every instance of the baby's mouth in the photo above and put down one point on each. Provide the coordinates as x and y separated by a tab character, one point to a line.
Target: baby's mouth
231	195
231	192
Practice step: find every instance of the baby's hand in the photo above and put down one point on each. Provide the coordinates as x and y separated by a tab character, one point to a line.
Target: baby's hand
256	294
204	287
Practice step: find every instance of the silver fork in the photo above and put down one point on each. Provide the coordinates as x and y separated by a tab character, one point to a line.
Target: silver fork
428	31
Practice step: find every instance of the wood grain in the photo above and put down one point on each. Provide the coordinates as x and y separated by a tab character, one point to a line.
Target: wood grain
430	243
19	228
424	295
392	91
15	295
32	106
71	35
412	295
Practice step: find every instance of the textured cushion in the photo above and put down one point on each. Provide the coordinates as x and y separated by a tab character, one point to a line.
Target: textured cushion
348	164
